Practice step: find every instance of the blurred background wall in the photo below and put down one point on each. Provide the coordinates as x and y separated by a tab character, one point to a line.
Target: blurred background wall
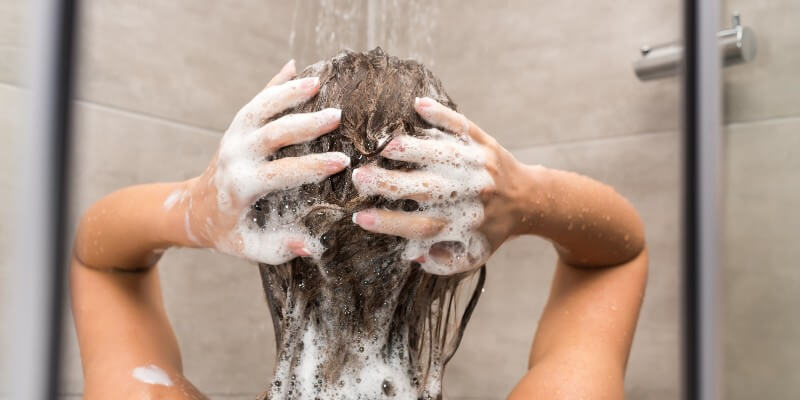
761	274
159	81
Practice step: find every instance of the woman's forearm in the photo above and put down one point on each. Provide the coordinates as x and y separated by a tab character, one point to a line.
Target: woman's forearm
128	229
589	223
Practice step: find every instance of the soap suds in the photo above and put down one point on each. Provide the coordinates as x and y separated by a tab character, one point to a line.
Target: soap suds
242	175
455	178
174	198
152	375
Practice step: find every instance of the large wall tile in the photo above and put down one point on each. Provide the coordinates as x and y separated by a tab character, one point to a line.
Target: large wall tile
195	62
493	355
218	307
215	302
11	108
11	113
533	72
761	270
12	39
768	86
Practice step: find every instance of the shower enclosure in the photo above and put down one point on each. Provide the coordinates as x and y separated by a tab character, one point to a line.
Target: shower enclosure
156	84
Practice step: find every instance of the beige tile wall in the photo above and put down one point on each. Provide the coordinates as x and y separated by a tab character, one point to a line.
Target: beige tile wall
769	86
551	80
12	42
762	271
762	176
11	107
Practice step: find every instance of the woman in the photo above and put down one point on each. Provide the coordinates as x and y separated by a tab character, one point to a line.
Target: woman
584	336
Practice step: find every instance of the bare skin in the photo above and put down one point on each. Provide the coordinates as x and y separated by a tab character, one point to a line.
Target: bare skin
585	332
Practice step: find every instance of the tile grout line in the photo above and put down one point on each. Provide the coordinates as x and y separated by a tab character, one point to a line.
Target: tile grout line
597	140
153	118
765	121
146	117
773	120
214	133
127	113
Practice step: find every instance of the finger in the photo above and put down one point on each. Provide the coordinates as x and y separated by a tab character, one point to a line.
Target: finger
287	72
453	256
395	185
429	151
398	223
303	245
278	98
291	172
443	253
296	128
277	247
444	117
298	248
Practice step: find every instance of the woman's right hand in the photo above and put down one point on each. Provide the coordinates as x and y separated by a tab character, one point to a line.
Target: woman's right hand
216	203
467	186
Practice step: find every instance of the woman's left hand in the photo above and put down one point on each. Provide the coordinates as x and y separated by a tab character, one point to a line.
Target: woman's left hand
467	186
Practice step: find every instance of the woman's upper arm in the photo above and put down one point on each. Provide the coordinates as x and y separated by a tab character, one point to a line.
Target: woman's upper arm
122	325
585	333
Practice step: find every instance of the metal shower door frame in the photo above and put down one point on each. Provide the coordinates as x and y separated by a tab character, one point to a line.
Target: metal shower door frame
702	195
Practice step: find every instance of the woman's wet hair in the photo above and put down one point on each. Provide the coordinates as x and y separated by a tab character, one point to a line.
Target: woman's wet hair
361	320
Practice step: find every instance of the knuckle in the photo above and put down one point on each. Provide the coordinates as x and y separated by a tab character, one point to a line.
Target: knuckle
434	226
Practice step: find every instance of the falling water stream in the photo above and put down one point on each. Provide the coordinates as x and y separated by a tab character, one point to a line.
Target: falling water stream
403	28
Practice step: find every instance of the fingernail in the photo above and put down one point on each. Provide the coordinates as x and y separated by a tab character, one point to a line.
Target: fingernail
337	162
302	252
365	218
309	83
298	248
289	66
361	175
332	114
394	145
423	102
